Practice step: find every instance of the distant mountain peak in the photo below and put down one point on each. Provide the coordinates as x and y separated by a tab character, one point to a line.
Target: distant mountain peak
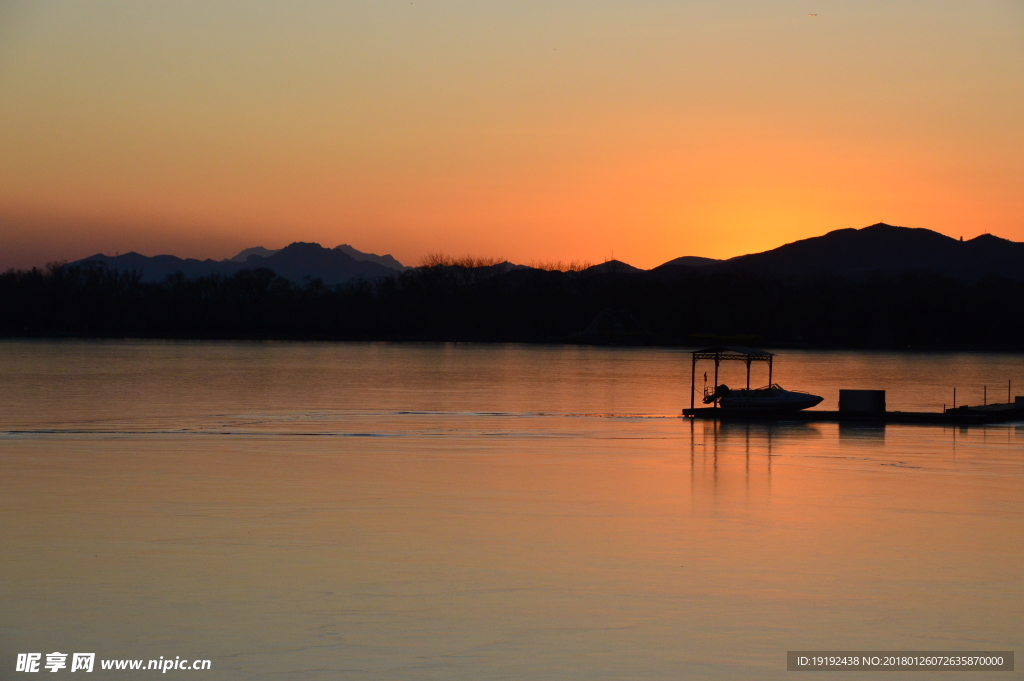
357	255
886	248
989	239
386	260
612	266
298	262
257	251
305	247
690	261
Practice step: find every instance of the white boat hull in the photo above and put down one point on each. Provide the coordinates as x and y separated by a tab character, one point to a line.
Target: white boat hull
768	399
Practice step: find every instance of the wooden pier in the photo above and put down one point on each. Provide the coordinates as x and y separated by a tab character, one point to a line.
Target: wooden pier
966	416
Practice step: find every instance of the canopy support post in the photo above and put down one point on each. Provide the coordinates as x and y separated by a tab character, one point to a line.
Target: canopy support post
693	379
717	355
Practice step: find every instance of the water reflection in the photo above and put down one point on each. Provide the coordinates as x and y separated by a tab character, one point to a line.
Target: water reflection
862	433
731	462
730	437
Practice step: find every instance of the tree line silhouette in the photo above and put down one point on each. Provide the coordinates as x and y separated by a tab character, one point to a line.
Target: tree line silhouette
486	301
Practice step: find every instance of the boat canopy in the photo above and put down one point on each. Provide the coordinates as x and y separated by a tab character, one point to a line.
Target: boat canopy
733	353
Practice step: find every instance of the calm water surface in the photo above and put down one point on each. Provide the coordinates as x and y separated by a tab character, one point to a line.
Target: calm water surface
377	511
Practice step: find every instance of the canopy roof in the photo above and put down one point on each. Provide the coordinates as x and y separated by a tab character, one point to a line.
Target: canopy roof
732	353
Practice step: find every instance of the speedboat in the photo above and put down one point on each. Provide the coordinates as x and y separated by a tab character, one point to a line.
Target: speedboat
769	398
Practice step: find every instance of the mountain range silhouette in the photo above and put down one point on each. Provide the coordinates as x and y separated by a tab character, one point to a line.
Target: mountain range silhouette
884	249
877	287
879	248
296	262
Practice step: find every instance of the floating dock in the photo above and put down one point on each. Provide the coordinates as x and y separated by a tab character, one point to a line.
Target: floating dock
855	406
964	416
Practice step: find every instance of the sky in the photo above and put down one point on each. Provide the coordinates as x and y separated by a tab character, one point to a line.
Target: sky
527	130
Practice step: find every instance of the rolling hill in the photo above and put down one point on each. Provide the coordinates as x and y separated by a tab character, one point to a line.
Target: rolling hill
880	248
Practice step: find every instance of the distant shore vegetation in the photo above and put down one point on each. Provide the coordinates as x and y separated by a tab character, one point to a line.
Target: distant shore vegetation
439	259
561	266
486	300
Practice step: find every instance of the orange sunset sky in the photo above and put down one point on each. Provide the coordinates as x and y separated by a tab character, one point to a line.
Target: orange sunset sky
524	130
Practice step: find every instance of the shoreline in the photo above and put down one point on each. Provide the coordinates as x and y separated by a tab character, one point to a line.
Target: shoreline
519	340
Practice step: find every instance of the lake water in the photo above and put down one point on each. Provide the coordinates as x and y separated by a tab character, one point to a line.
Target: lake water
383	511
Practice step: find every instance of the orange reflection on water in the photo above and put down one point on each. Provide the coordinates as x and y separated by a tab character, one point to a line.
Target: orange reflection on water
611	545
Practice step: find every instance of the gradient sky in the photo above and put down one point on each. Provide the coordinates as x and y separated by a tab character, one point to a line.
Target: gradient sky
524	130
